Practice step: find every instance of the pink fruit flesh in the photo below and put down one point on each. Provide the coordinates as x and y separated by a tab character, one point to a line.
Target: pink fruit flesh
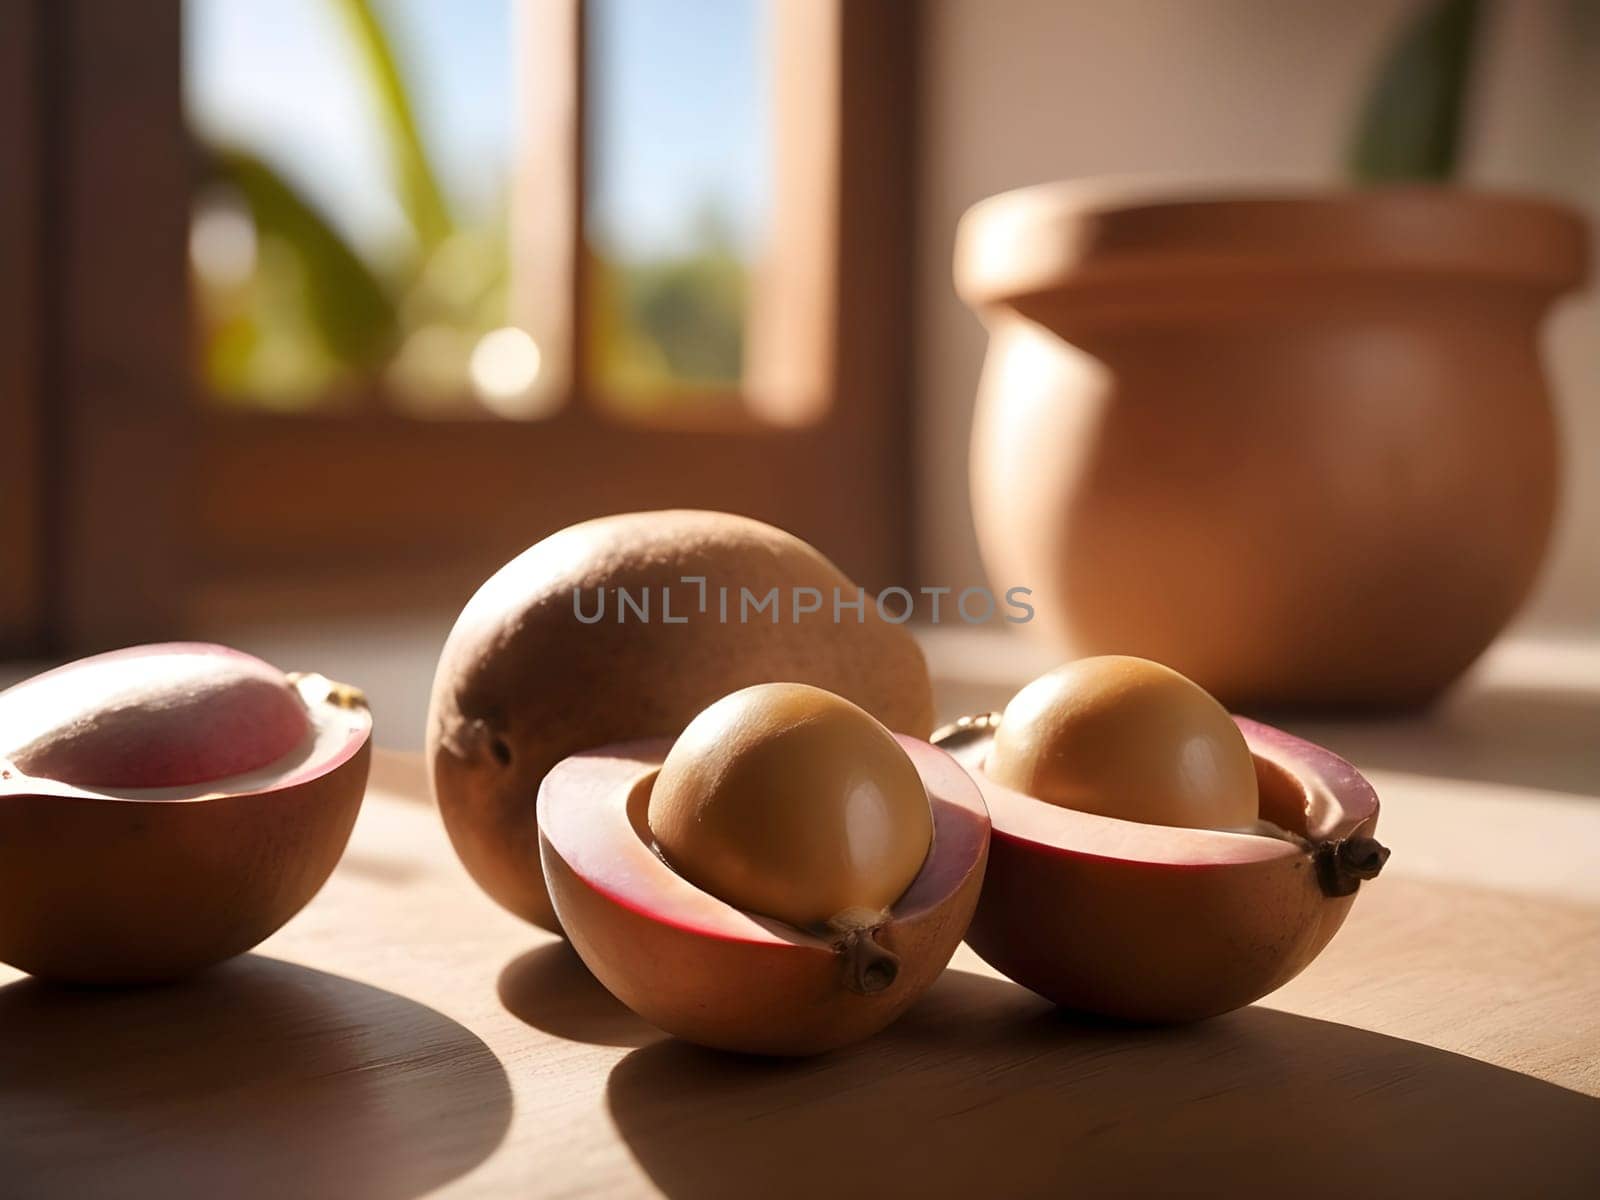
608	845
1305	790
158	716
709	973
1157	923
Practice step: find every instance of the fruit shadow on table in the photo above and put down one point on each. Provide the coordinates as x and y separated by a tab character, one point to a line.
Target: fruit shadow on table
1519	735
258	1078
985	1090
550	989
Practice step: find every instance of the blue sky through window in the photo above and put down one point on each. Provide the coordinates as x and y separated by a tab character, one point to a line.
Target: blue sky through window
679	121
679	109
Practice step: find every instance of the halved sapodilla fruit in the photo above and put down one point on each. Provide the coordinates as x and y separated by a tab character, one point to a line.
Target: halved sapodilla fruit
166	807
1154	859
786	878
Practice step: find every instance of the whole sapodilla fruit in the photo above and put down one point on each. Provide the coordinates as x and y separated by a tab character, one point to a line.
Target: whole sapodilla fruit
166	807
1153	859
530	674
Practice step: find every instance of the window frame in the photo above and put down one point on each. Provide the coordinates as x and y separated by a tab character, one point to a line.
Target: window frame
21	439
97	389
165	514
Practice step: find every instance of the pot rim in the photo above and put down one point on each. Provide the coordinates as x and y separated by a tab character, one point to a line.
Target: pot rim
1078	234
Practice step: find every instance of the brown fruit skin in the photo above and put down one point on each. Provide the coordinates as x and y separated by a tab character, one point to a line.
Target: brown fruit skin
125	885
1177	940
1241	942
102	891
522	684
754	993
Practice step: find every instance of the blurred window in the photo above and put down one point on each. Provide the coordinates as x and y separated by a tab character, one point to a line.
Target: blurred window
677	195
349	238
672	231
350	244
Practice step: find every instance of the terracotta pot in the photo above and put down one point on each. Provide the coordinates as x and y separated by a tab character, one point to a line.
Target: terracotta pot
1297	445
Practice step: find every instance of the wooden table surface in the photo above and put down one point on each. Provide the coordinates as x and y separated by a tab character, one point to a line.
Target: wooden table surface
403	1037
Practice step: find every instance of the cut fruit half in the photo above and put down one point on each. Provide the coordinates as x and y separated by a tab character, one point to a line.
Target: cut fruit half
710	973
1162	924
165	807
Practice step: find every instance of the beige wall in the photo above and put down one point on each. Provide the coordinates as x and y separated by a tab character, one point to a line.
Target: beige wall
1020	91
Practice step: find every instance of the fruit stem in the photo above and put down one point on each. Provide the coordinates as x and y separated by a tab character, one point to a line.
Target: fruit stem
965	729
868	968
315	688
1344	862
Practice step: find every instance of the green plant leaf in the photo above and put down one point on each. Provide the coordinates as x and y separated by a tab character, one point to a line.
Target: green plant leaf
348	306
415	180
1411	125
